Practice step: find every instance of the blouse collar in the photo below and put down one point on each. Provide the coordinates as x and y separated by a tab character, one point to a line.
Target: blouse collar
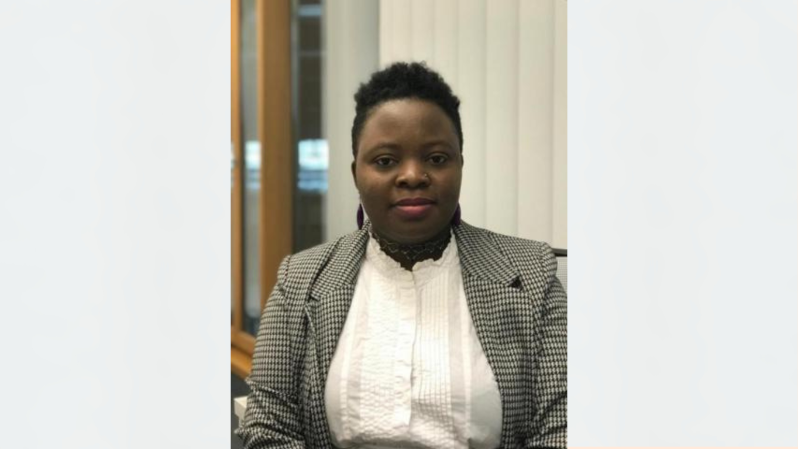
421	271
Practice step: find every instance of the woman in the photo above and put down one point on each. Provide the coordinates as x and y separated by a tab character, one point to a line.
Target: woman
417	330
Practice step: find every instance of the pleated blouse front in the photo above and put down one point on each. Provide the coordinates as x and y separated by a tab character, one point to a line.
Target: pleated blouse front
408	369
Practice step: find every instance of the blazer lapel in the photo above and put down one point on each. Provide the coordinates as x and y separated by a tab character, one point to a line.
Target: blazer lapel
497	304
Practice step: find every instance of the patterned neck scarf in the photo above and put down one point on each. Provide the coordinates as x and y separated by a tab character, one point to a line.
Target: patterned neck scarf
415	252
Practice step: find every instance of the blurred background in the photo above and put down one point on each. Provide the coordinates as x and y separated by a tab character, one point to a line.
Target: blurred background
295	67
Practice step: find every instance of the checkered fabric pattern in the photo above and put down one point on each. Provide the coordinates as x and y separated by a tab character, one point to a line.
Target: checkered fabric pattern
516	302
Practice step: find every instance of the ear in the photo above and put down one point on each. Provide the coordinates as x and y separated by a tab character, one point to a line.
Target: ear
354	176
462	159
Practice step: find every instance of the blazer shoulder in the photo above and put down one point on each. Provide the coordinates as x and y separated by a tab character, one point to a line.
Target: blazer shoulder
511	244
298	271
532	248
309	258
525	254
318	255
309	261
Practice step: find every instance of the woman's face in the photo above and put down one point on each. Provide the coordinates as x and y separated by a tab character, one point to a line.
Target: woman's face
408	170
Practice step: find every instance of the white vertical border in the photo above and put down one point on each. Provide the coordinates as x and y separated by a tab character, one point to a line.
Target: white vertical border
683	223
115	239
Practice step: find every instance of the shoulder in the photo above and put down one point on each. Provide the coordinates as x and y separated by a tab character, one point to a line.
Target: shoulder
522	253
528	250
304	266
309	260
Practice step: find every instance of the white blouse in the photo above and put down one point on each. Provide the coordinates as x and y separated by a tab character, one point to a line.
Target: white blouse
408	369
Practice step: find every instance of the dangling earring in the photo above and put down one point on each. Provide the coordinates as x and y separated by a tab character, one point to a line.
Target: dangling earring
360	216
456	216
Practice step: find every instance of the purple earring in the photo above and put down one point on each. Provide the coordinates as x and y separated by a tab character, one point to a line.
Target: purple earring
360	216
456	217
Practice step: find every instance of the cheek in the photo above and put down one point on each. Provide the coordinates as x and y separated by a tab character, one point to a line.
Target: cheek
366	186
361	180
454	183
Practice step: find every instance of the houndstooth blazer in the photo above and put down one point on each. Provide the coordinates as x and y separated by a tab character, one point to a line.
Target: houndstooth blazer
519	311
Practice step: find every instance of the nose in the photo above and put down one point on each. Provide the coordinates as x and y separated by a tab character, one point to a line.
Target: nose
412	175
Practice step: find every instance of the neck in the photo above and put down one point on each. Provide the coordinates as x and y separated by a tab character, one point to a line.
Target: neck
407	254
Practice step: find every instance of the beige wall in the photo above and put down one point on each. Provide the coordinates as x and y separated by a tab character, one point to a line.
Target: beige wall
351	34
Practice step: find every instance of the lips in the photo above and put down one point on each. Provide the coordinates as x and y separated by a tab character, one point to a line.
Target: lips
414	202
414	208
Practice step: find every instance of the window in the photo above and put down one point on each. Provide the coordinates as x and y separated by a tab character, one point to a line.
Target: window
279	167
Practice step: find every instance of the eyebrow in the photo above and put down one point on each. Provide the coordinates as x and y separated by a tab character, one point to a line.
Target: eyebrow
438	142
379	146
390	145
395	146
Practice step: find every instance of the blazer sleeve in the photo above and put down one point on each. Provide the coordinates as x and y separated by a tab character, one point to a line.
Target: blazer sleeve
549	426
272	419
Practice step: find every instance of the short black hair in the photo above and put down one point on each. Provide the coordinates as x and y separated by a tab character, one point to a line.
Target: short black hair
404	80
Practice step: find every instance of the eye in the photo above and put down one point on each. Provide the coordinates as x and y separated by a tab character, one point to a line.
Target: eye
438	159
384	161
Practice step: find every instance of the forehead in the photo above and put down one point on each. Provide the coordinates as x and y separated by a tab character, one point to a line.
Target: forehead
404	117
